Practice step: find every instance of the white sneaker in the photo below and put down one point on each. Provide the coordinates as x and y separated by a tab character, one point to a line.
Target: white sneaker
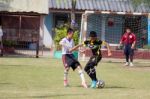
126	64
131	64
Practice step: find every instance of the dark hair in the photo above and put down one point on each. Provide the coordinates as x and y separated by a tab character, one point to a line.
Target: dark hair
93	34
128	28
69	30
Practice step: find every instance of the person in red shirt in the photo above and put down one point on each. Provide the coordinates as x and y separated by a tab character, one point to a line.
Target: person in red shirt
129	41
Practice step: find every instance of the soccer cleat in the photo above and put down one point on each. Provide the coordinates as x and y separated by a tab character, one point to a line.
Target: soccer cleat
93	85
66	83
126	64
131	64
84	85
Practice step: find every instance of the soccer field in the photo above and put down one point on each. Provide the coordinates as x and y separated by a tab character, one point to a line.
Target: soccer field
31	78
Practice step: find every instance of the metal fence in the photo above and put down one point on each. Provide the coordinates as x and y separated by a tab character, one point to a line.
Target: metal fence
21	35
111	28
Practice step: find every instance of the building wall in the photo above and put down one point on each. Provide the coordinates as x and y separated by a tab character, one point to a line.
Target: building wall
48	25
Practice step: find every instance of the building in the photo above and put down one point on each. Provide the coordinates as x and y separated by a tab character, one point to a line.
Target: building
109	26
22	23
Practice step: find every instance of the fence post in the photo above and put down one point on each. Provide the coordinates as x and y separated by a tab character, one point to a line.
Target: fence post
149	29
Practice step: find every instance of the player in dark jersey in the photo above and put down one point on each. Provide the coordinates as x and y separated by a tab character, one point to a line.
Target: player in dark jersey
95	45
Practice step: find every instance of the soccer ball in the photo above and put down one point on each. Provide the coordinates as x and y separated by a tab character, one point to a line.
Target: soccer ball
100	84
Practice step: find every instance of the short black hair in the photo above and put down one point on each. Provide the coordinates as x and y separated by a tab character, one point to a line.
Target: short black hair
93	34
128	28
69	30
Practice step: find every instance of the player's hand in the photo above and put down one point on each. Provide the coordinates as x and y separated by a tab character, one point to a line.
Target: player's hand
132	47
119	47
82	51
109	54
80	45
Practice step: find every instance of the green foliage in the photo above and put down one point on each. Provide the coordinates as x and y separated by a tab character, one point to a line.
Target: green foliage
9	43
61	32
147	47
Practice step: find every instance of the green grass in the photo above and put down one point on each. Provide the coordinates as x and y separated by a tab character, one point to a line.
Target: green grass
31	78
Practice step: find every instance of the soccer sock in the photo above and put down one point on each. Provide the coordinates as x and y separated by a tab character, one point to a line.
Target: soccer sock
65	76
92	74
81	75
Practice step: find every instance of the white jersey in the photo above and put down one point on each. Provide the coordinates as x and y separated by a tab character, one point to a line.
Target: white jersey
66	45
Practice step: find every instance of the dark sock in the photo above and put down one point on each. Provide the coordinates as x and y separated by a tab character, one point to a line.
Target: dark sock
92	75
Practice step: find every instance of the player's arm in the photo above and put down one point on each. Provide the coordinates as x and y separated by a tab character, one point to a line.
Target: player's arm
108	47
75	47
134	42
122	40
78	46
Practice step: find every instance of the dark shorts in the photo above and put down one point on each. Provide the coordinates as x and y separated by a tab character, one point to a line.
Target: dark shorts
128	50
69	60
94	60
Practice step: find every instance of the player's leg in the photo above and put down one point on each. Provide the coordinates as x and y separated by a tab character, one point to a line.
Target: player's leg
80	71
91	71
126	53
74	63
66	70
131	56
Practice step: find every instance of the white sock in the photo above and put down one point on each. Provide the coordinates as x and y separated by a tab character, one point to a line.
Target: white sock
66	75
82	76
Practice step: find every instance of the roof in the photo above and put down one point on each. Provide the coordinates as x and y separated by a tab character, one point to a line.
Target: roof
100	5
35	6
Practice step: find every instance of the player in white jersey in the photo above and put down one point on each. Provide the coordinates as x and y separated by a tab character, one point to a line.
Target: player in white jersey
69	59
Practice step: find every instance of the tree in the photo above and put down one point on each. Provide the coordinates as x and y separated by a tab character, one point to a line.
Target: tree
73	4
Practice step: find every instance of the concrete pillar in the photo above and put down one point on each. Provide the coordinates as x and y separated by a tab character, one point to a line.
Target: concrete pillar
149	29
103	28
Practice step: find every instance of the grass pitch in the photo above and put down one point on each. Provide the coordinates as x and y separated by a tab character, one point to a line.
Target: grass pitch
31	78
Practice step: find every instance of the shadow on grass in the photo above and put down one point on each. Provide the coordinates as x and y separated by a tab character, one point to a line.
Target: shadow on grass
116	87
14	65
108	87
56	95
47	96
5	83
142	66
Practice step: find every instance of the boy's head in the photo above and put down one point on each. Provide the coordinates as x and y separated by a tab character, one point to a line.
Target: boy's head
128	30
70	33
93	35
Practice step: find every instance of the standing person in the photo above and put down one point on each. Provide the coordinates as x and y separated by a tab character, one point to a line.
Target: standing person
95	46
129	41
69	59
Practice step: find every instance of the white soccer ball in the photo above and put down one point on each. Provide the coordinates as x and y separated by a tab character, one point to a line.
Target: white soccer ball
100	84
